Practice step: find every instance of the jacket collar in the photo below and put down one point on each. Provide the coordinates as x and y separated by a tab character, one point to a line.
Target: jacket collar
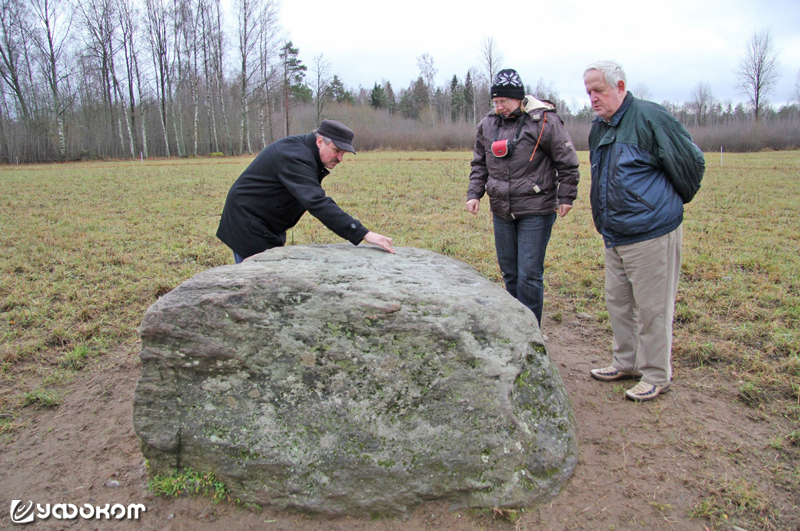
617	115
311	143
516	113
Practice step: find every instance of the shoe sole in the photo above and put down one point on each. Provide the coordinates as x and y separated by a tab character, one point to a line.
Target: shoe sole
617	377
648	398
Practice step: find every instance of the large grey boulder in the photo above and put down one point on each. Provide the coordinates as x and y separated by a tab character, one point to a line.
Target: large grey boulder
346	380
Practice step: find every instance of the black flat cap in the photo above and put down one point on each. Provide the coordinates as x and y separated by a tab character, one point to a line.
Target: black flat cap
341	135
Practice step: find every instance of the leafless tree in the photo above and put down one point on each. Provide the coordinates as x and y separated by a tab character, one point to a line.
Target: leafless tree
156	23
95	22
51	36
549	92
247	17
321	83
701	102
177	75
5	150
98	20
642	92
14	46
491	58
214	36
268	43
796	92
188	24
428	73
758	70
267	99
256	22
204	9
130	33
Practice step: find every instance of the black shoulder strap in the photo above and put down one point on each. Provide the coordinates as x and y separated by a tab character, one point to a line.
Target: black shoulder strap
516	134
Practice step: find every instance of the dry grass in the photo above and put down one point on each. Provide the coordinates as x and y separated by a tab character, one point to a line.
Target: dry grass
88	246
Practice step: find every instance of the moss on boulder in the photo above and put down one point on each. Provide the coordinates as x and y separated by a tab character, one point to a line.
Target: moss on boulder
345	380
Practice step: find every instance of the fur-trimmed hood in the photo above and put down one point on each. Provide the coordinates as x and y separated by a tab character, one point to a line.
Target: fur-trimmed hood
534	106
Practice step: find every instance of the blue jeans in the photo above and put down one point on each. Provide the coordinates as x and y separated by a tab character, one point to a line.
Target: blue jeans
521	246
237	257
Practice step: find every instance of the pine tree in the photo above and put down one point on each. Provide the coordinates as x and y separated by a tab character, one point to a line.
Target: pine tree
378	97
420	96
294	88
469	98
339	93
391	99
456	100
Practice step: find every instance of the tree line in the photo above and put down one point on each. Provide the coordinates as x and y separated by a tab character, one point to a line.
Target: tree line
175	78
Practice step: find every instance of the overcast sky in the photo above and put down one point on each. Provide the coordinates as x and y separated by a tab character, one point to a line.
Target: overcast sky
669	46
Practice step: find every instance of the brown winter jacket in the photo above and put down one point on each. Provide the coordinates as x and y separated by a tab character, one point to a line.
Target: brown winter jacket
518	186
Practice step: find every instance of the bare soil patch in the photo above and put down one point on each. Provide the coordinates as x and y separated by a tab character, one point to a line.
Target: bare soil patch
695	450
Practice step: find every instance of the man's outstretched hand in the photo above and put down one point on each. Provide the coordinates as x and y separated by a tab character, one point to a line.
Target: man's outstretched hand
379	240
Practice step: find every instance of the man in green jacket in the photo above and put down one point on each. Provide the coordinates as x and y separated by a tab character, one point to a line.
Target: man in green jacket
644	168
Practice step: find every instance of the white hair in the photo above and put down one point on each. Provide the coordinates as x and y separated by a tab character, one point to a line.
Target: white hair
324	138
611	70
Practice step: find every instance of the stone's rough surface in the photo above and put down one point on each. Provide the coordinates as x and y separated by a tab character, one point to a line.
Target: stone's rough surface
346	380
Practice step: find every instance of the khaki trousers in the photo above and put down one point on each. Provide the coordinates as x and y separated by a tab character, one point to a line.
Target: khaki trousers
641	285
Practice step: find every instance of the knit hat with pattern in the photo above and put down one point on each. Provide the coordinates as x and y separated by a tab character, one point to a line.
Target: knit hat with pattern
507	84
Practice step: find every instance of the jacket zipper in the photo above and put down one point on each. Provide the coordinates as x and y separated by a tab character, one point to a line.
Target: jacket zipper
638	198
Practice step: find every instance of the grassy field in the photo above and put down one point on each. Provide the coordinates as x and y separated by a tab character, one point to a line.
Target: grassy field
87	247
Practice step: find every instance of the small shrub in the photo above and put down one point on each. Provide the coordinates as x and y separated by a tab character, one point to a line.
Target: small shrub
508	515
793	439
42	398
735	498
189	482
750	394
7	424
76	359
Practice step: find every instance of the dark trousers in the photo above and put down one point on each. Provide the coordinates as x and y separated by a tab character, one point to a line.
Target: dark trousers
521	245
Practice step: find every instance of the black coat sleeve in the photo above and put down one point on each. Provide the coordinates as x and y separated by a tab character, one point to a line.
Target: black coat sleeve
301	180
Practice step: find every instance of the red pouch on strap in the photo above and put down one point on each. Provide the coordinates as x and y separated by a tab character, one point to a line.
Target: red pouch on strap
500	148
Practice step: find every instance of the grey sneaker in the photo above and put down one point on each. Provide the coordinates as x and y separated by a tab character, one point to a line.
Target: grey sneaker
612	374
644	391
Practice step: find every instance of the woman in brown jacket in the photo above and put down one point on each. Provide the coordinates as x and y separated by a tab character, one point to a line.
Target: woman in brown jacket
525	162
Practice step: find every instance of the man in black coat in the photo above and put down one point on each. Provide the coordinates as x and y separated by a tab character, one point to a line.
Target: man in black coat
281	184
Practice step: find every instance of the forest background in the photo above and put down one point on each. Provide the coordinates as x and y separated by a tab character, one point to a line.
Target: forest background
117	79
